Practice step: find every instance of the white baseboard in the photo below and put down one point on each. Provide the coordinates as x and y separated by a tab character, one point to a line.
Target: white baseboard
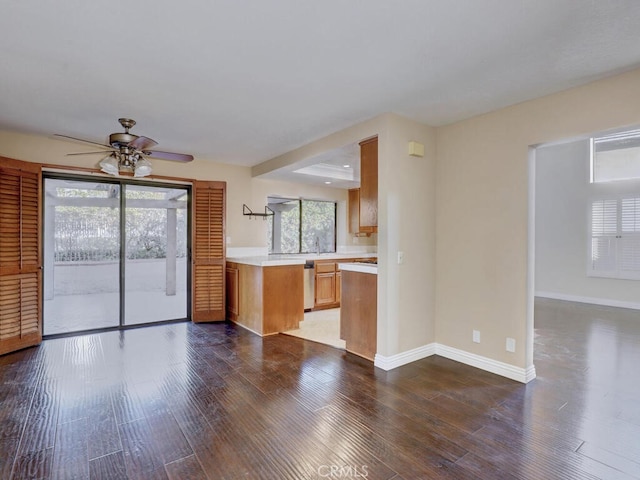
483	363
395	361
607	302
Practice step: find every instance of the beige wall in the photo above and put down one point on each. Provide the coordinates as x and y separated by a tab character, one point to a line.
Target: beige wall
480	217
482	232
406	218
339	139
241	187
406	222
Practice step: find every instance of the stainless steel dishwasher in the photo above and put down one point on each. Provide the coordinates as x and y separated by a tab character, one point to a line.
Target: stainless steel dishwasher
309	285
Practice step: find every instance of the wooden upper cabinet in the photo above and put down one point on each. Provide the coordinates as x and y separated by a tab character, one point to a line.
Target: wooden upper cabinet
208	256
363	201
354	210
20	255
369	185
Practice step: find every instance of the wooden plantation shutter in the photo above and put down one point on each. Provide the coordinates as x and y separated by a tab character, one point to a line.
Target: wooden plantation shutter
20	256
209	203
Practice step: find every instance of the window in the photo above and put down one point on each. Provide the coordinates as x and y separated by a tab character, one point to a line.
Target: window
615	157
615	238
301	226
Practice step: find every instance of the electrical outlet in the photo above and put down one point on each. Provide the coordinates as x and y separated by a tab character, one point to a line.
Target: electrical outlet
511	344
476	336
400	258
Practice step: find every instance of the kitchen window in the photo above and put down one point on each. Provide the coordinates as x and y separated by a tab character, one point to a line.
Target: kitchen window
615	238
301	226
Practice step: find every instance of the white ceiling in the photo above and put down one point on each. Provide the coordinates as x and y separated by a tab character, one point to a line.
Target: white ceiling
242	81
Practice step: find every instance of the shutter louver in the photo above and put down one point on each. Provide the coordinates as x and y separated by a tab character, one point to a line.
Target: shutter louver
208	252
20	260
604	226
630	241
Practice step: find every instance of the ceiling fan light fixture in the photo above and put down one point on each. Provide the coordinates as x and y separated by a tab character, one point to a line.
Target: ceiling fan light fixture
110	165
142	168
127	152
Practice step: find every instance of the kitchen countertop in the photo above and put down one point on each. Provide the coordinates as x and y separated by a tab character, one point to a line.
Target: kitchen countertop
359	267
295	259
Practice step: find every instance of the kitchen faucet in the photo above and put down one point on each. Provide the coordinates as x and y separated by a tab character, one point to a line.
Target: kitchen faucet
317	246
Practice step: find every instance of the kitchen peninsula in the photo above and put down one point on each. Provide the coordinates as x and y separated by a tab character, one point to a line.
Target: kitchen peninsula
359	308
265	294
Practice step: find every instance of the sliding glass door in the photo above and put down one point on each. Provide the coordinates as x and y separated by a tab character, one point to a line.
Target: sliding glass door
81	255
156	254
115	254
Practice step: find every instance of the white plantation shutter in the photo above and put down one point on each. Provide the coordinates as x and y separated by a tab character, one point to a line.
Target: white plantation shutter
615	238
630	241
630	215
604	228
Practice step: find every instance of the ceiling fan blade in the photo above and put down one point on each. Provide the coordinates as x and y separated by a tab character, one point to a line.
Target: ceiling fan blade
142	143
90	153
81	140
175	157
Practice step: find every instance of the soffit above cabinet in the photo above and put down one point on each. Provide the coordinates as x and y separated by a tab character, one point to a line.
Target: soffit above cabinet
340	166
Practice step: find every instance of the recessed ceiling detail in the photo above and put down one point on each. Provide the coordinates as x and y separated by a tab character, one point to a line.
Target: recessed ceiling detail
339	168
325	170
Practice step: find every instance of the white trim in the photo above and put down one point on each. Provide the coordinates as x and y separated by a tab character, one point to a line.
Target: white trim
607	302
531	257
395	361
483	363
80	171
529	373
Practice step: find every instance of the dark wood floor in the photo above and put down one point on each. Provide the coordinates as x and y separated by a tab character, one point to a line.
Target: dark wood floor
214	401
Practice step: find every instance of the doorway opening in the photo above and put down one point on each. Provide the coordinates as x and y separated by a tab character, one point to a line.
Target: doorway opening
115	254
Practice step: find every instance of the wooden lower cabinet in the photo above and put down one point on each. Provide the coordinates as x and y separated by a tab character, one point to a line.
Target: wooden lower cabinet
325	289
232	277
326	284
358	313
265	300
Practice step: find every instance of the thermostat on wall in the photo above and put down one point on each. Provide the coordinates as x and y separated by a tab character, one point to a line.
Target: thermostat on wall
416	149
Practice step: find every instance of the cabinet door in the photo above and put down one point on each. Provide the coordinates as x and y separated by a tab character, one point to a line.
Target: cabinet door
233	292
369	185
325	288
354	210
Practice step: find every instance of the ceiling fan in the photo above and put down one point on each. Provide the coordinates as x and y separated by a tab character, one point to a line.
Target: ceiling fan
128	151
